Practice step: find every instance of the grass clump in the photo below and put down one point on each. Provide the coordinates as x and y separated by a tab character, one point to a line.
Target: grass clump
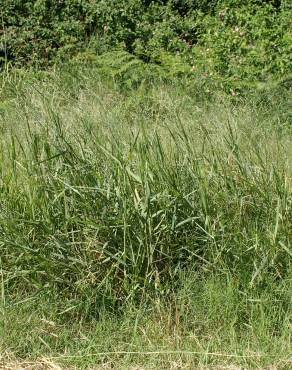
155	204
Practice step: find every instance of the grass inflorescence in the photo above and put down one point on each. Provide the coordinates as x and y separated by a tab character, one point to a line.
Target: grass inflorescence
166	207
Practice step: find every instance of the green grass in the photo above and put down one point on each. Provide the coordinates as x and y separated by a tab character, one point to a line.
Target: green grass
208	323
154	221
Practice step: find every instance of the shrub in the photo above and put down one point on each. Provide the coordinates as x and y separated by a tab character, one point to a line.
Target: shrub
249	42
223	39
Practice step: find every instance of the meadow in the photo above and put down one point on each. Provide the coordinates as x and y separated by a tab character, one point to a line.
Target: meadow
143	228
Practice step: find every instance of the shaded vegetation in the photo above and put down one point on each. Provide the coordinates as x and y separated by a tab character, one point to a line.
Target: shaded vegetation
229	40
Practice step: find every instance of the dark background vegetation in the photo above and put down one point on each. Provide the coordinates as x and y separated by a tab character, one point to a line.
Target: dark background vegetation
229	40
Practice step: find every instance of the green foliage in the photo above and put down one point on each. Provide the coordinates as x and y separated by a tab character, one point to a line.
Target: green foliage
130	71
249	42
224	39
41	31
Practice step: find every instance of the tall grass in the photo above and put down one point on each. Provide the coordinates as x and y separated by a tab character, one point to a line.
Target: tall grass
104	194
109	197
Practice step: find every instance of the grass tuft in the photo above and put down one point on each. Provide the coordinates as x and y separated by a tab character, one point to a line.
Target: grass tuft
170	211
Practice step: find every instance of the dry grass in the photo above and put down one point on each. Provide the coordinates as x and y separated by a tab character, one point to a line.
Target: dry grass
45	364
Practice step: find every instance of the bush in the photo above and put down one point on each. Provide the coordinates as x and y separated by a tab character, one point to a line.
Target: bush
224	39
249	42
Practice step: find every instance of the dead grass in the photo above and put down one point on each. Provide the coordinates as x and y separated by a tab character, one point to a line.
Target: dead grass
47	364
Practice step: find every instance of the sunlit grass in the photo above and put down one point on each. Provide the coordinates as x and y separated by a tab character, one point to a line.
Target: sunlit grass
111	200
